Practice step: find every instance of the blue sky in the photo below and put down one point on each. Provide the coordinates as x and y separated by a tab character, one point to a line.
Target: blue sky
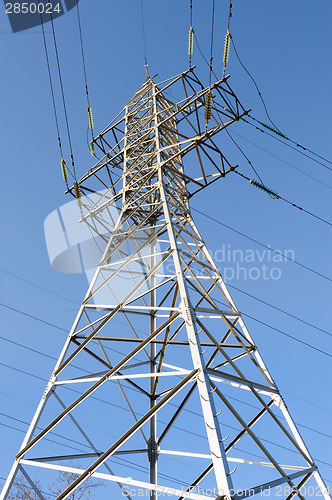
286	47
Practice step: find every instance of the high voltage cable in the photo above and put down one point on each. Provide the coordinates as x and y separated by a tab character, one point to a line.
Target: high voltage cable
285	143
63	97
211	46
281	159
144	41
278	196
227	39
279	331
245	156
59	328
267	113
52	91
16	483
262	244
90	125
74	366
271	193
177	427
281	310
294	142
83	56
229	285
254	82
37	286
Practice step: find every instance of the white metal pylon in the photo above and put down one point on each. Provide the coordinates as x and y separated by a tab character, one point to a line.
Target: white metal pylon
158	320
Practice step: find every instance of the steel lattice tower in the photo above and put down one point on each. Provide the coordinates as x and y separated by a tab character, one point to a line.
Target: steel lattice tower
158	296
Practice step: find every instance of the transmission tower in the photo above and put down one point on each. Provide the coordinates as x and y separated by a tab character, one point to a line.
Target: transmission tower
158	330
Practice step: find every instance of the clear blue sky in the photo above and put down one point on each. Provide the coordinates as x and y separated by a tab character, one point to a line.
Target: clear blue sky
286	46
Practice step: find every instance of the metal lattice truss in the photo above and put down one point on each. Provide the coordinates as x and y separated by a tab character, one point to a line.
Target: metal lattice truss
159	323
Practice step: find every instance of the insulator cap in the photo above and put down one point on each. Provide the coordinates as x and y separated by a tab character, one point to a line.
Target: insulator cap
90	118
78	194
191	41
92	148
261	186
275	131
64	170
226	47
208	105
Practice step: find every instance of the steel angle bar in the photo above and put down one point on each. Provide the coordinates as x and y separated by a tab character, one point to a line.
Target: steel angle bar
79	400
272	484
160	489
32	484
255	438
122	377
109	316
221	376
107	454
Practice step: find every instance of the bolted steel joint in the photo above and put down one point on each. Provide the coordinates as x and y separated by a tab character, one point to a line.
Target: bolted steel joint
153	450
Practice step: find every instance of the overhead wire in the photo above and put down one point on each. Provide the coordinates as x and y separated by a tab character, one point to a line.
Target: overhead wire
244	155
282	160
211	44
285	143
254	82
227	39
177	427
291	140
279	331
269	191
263	245
266	110
281	310
278	196
191	33
63	97
89	110
144	41
53	100
243	313
59	328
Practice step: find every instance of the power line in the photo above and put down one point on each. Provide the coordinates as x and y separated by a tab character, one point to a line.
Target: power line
33	317
262	244
18	484
177	427
79	368
287	201
144	41
212	34
267	113
279	331
285	143
83	55
294	142
63	97
281	159
37	286
245	156
254	82
281	310
52	88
